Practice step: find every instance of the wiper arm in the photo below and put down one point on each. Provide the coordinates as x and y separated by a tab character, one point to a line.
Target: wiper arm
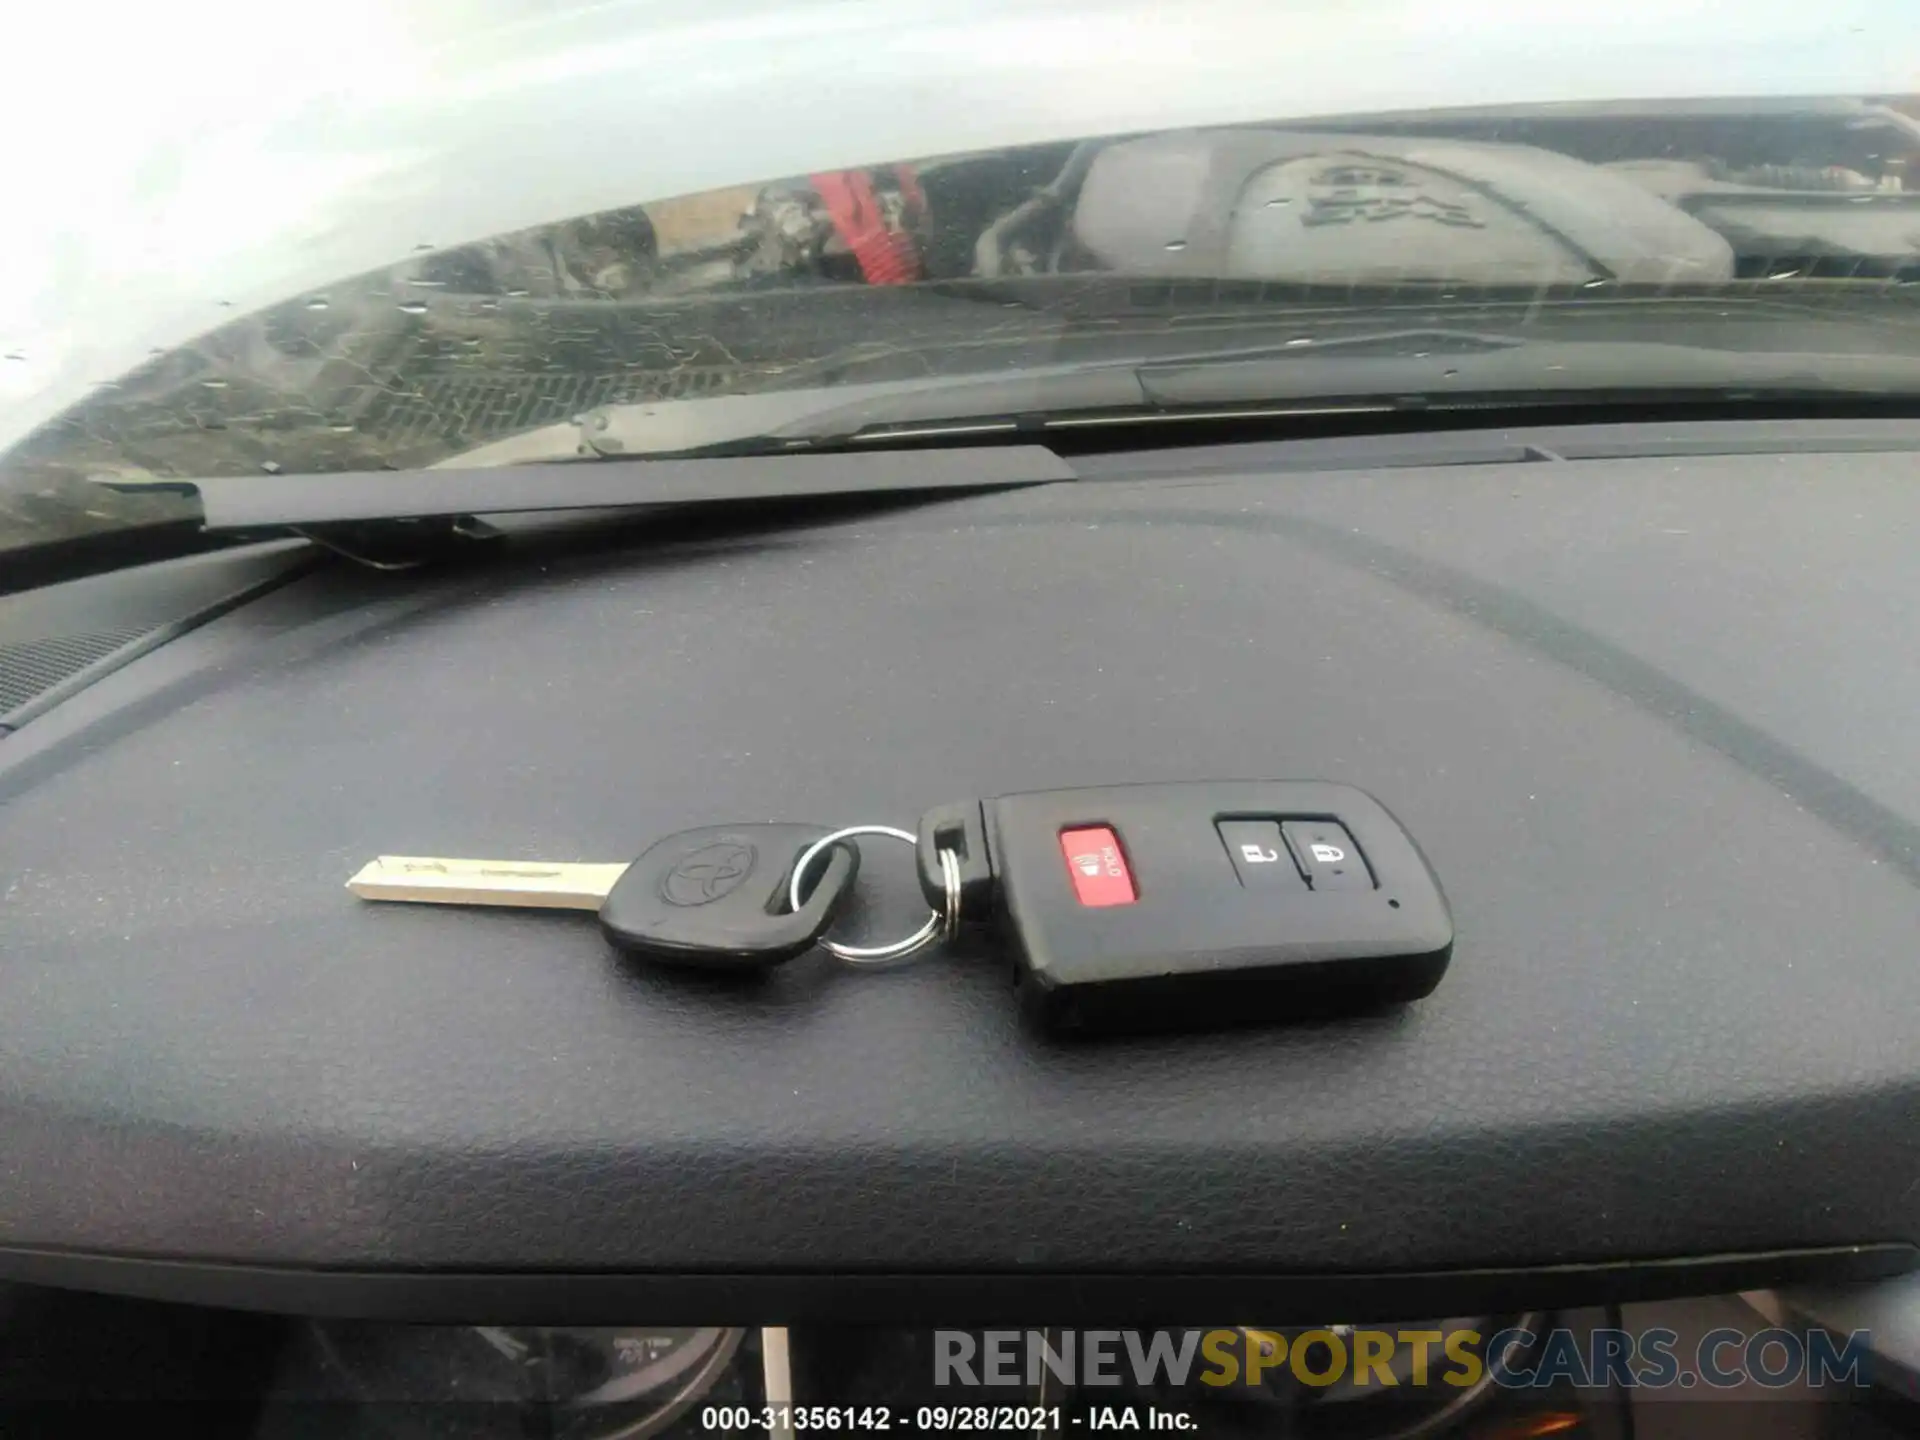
1394	370
1517	368
1426	368
262	502
934	405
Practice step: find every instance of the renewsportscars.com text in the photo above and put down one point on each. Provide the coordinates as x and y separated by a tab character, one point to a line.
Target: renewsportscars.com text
1644	1359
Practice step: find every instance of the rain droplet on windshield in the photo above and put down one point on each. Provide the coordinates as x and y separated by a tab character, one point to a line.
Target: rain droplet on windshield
1299	340
16	355
1593	284
1783	274
518	294
1278	201
1176	245
318	302
341	427
414	307
272	467
214	384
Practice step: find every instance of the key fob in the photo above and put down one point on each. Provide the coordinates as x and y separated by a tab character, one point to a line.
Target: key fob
1197	904
716	897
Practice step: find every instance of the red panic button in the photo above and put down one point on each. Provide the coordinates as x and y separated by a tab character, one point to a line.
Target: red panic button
1096	867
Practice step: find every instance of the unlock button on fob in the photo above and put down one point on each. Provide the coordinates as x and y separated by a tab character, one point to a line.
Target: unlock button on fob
1260	855
1327	853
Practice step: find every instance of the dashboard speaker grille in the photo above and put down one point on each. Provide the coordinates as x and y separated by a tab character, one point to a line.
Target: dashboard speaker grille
30	668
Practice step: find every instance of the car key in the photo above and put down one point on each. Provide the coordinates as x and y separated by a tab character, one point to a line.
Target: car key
1146	906
713	897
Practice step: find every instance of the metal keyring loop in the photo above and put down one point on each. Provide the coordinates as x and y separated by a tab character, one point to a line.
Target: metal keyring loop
937	924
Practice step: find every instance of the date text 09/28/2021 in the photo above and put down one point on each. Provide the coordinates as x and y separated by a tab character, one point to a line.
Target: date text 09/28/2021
939	1419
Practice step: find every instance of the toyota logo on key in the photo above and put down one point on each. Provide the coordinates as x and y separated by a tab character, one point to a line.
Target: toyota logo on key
707	874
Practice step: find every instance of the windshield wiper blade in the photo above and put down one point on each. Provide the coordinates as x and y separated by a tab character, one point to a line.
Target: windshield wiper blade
1520	369
261	502
934	404
1426	369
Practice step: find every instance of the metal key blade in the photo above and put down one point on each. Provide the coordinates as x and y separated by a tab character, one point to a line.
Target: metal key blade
433	880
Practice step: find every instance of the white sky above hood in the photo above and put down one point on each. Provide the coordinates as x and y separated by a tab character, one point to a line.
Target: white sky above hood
169	167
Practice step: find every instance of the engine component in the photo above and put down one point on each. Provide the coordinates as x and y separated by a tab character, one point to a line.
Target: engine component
1363	209
1790	220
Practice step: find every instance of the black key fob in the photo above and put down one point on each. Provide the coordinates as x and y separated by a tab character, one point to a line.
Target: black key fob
716	897
1200	904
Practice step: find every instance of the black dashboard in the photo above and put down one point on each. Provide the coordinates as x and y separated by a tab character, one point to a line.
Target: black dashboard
1647	711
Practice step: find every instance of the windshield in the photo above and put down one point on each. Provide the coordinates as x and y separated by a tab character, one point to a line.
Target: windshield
480	247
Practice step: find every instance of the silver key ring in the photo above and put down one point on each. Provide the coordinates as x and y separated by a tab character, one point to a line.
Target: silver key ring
937	924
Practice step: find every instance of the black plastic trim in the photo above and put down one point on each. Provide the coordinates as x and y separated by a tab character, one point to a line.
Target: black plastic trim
51	562
950	1299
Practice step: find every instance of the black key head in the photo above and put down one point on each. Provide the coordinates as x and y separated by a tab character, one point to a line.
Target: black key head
716	897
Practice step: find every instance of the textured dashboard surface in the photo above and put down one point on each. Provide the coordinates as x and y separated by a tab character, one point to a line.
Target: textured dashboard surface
1651	721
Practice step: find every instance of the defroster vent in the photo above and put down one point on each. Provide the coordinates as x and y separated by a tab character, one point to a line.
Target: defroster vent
29	669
